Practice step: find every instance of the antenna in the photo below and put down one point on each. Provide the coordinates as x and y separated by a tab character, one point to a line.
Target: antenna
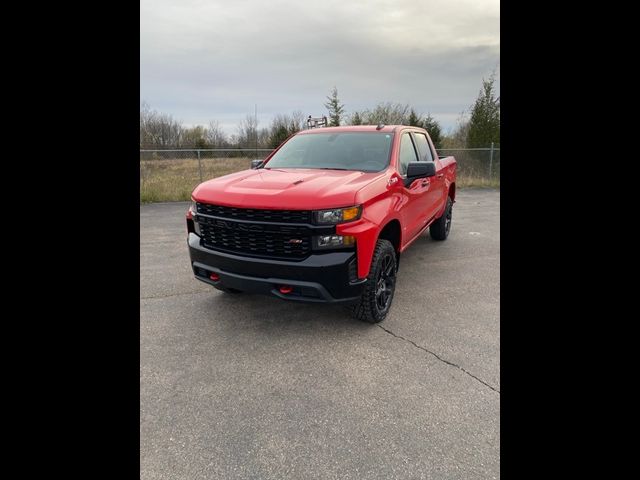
380	126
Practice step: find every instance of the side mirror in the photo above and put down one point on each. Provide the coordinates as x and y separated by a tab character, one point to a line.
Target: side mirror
420	170
255	164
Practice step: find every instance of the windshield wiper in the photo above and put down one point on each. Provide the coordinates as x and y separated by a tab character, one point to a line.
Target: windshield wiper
331	168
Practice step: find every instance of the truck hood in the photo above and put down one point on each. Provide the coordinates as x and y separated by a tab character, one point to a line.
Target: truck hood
286	188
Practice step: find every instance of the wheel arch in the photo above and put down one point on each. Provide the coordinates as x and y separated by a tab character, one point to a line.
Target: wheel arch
392	231
452	191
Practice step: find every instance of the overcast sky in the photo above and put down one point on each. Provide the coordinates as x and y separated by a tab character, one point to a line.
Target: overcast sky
204	60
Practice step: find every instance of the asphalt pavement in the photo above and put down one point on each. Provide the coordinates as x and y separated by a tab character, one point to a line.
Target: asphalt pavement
253	387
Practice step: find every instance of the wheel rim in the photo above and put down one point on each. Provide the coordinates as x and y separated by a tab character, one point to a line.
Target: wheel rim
385	282
447	221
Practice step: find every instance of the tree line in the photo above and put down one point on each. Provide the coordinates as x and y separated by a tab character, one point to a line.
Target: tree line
478	129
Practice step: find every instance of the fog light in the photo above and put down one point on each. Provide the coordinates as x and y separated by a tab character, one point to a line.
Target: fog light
329	240
334	241
214	276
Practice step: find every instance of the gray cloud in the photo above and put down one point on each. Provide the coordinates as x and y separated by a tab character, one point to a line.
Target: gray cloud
205	60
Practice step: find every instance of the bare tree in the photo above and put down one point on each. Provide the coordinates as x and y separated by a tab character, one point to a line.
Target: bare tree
158	130
387	113
458	137
298	121
248	132
145	113
215	136
263	137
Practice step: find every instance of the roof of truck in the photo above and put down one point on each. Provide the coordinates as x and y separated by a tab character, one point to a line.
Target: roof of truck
353	128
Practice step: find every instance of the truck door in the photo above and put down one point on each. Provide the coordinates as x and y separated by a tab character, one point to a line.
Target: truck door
435	191
415	209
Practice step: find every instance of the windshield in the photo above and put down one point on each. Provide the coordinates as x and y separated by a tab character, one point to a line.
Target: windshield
364	151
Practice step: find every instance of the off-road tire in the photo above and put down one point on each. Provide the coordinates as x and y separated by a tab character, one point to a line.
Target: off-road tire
368	308
439	230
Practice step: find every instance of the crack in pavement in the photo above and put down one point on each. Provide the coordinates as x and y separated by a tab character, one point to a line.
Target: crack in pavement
439	358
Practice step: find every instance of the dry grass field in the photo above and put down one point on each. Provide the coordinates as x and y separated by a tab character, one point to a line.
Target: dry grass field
173	180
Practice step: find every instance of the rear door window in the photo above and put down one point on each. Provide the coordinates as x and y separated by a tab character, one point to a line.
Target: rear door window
423	147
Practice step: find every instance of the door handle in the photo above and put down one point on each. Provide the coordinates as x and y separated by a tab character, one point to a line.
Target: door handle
425	183
440	175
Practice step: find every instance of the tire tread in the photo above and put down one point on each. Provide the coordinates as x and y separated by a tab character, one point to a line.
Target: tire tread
365	310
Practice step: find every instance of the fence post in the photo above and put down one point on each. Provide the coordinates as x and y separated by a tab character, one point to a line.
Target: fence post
200	166
491	162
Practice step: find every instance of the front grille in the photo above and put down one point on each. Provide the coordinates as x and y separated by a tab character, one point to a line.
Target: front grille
278	241
284	216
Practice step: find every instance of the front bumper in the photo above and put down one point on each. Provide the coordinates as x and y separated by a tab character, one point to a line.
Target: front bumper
327	277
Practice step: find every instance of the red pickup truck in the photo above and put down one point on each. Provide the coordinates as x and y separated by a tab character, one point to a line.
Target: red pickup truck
325	217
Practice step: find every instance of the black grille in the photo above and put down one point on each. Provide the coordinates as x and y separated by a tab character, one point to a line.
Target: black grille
285	216
278	241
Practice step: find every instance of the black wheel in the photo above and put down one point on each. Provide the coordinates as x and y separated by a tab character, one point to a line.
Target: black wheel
439	229
377	296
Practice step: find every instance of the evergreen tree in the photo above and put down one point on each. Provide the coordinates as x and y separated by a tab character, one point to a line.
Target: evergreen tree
414	119
336	109
278	135
484	124
432	126
356	119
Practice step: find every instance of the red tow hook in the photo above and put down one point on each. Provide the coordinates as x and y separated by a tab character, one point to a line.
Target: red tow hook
284	289
214	276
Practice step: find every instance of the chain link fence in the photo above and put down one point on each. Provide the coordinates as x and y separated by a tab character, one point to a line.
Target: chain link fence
477	167
171	175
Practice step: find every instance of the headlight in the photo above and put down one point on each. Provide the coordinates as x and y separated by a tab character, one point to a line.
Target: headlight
337	215
333	241
193	208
